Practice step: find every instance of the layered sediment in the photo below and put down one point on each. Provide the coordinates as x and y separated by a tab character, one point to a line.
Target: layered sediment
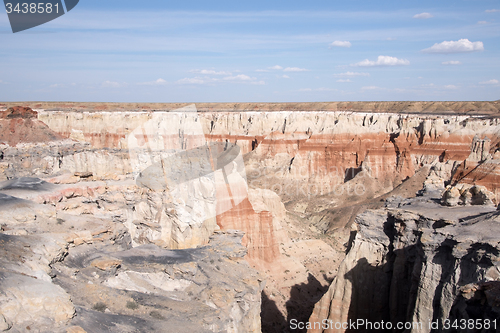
67	265
417	264
292	181
319	149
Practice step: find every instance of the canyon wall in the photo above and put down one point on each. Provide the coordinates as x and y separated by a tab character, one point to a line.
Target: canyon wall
298	153
416	267
292	153
174	178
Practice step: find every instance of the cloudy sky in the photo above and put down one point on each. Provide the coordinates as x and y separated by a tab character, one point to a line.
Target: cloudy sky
258	51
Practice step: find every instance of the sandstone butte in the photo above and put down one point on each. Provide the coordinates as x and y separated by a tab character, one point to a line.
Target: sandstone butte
310	189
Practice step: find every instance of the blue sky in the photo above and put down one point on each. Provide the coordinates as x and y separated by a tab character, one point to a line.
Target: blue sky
260	51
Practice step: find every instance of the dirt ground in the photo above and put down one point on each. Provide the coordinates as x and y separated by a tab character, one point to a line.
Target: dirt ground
488	108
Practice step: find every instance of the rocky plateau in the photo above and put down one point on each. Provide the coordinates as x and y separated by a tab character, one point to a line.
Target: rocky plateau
246	217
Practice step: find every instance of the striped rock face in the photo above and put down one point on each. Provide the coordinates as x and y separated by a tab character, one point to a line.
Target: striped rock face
296	154
317	149
287	179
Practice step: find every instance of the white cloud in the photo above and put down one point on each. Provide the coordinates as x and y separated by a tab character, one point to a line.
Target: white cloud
492	10
493	81
194	80
57	85
260	83
295	69
240	77
351	74
262	70
482	22
285	77
451	62
451	86
344	80
160	81
317	89
339	43
370	88
157	82
459	46
209	72
423	16
383	61
110	84
288	69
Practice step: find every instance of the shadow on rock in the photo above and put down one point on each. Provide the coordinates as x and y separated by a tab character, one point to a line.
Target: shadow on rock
272	320
303	297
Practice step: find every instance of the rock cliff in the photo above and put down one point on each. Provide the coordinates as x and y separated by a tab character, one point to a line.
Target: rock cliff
291	180
416	263
320	149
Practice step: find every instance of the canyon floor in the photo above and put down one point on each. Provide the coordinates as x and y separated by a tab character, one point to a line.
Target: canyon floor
244	217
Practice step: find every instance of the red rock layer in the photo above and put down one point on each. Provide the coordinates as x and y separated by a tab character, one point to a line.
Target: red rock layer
482	166
340	152
260	238
386	154
486	174
388	157
100	140
245	142
18	112
18	125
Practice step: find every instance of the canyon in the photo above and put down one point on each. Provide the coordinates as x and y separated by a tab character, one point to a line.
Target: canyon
242	217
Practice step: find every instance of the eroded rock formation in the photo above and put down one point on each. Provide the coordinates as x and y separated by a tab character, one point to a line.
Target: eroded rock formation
317	149
415	262
20	124
152	180
65	267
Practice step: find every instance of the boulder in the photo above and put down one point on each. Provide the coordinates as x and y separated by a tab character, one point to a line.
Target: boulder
26	300
465	194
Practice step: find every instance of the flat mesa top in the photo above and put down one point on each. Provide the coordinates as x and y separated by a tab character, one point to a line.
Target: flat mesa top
486	108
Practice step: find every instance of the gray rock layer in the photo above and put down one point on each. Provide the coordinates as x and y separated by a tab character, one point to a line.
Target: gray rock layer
78	272
417	264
